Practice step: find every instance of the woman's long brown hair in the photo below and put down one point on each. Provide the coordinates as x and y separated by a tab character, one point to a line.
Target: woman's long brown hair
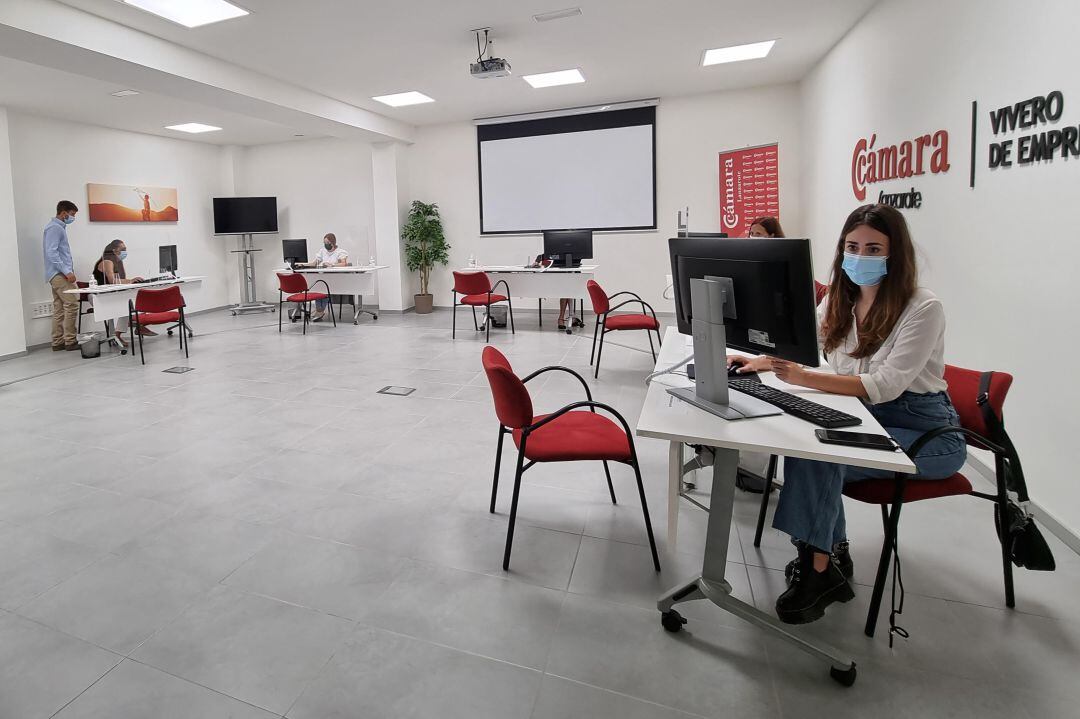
896	289
770	224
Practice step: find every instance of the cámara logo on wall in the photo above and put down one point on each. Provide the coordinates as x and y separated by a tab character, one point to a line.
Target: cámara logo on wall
871	164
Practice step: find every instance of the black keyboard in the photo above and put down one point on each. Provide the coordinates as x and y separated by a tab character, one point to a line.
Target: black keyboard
794	405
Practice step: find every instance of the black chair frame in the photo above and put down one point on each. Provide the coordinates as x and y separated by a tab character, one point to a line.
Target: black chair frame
305	307
522	466
487	322
601	327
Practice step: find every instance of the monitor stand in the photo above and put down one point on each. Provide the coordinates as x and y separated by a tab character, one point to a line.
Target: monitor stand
710	391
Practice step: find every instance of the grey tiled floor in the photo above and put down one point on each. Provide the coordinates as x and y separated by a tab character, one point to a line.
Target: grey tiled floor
267	536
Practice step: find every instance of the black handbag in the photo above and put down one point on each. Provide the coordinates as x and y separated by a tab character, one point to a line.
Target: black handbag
1026	544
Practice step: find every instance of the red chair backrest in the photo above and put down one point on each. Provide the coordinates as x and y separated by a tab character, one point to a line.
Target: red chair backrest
820	292
513	405
472	283
964	393
600	303
163	300
291	282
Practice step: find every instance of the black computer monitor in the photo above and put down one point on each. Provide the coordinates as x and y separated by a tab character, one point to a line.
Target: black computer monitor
295	251
705	235
167	258
772	310
568	247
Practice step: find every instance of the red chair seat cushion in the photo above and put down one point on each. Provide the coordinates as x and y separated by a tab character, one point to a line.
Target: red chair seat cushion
631	322
576	435
482	299
158	318
880	491
306	297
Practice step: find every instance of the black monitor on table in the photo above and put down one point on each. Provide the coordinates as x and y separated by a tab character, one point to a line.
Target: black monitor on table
769	288
295	251
568	247
167	258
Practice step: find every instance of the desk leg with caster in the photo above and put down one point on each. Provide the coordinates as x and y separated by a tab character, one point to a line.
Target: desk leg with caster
713	584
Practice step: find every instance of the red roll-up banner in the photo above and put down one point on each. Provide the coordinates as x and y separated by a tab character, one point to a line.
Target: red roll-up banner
749	187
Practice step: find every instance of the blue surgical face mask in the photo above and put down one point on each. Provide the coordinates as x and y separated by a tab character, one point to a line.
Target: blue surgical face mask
865	270
123	254
69	219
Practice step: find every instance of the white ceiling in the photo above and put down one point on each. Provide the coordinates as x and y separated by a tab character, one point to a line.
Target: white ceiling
44	91
351	50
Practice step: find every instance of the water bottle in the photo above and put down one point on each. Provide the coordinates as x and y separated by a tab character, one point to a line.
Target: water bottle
371	261
472	260
93	281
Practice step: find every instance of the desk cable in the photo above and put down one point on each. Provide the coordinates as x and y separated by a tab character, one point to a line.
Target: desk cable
669	370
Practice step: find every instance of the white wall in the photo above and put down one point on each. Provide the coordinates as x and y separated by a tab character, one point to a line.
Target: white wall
53	160
12	328
691	131
322	186
1003	256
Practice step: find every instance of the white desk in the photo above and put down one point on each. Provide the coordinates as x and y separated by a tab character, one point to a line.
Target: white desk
355	281
111	301
668	418
538	283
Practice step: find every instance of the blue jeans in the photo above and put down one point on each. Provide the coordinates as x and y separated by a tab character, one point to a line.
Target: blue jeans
811	507
320	305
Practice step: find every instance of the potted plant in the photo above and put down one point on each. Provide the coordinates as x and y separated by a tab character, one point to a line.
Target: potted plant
425	245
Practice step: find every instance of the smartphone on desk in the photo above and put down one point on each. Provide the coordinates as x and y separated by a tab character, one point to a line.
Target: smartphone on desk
857	439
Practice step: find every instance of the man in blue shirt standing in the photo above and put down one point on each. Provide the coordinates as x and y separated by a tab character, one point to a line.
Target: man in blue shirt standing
60	274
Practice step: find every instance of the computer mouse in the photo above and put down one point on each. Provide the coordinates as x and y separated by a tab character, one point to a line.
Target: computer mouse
733	371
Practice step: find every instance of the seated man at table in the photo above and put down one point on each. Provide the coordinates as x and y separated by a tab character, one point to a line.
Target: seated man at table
329	256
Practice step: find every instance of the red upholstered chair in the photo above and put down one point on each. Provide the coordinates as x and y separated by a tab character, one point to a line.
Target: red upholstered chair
477	291
574	433
979	398
84	299
157	307
293	287
821	291
607	322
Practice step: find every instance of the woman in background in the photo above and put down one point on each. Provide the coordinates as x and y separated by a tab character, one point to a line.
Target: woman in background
109	270
766	227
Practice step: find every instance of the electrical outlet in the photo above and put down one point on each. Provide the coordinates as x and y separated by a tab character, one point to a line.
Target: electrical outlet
41	309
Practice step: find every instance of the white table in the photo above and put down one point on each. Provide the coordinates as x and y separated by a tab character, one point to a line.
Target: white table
665	417
111	301
538	282
355	281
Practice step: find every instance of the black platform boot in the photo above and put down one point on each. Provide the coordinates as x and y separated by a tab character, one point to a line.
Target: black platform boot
811	591
840	553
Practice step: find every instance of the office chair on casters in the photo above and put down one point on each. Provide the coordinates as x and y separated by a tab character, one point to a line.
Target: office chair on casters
477	291
566	435
156	307
293	287
606	322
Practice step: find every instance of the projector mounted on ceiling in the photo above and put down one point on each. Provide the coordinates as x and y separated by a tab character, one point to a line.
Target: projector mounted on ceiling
489	66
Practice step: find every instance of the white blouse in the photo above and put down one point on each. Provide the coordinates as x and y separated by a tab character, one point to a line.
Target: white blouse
911	359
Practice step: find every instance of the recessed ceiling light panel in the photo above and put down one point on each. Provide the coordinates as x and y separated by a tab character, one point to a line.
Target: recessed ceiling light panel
737	53
557	14
401	99
553	79
190	13
193	127
124	93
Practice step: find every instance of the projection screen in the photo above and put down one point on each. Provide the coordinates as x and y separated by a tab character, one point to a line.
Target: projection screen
591	171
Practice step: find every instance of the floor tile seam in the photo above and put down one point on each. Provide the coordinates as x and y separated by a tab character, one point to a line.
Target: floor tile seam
683	712
92	684
469	652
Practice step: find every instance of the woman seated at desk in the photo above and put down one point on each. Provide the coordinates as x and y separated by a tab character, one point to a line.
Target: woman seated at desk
885	338
109	270
329	256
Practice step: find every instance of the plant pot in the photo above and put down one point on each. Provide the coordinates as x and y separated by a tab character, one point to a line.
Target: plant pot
423	303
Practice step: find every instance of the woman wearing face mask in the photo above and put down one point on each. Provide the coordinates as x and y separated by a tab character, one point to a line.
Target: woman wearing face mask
329	256
109	270
885	338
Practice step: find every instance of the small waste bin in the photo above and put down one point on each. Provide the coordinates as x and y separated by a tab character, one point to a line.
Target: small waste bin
90	346
498	315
